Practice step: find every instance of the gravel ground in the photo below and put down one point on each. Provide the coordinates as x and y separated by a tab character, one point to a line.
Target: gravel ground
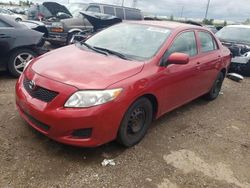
199	145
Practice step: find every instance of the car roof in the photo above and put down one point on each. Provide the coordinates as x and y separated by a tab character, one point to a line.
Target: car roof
239	26
168	24
103	4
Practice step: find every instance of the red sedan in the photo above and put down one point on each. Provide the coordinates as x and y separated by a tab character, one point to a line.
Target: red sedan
115	83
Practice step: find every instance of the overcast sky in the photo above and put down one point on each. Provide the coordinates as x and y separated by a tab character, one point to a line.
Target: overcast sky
236	10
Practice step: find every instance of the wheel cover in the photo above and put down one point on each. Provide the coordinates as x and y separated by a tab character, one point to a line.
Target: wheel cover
21	60
136	121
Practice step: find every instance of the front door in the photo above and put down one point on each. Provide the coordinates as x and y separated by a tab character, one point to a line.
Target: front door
179	82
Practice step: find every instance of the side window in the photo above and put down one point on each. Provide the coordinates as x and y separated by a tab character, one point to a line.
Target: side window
109	10
184	43
94	9
133	14
119	13
3	24
207	42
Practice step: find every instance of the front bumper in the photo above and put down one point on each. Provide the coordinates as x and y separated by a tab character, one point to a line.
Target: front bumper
57	37
58	123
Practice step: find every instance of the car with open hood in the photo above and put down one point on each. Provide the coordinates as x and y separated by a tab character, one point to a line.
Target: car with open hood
62	31
50	11
18	44
237	39
113	85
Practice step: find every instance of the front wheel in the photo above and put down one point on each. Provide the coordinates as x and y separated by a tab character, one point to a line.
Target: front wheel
70	38
215	90
135	122
18	60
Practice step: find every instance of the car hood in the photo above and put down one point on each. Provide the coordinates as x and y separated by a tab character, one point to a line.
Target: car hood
55	8
84	69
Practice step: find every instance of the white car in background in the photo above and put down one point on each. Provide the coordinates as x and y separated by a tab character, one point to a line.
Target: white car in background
17	17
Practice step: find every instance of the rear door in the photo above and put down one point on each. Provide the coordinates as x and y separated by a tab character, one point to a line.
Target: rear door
209	59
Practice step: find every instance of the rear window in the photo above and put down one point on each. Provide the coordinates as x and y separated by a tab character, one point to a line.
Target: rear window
109	10
119	13
133	14
207	42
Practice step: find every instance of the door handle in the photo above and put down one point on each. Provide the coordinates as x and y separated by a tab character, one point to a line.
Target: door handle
198	63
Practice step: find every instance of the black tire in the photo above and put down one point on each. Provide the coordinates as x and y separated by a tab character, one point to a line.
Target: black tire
56	44
135	122
41	43
215	90
18	19
13	61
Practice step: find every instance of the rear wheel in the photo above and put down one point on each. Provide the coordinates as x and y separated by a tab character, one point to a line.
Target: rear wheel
215	90
18	60
135	122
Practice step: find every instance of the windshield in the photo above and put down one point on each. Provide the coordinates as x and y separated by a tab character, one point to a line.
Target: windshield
139	42
234	34
76	8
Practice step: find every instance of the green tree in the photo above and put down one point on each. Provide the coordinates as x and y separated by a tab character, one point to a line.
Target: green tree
225	23
171	18
208	22
247	22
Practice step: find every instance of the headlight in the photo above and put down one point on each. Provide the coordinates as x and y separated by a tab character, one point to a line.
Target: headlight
57	27
84	99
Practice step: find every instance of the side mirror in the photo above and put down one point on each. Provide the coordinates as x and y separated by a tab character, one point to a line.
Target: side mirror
178	59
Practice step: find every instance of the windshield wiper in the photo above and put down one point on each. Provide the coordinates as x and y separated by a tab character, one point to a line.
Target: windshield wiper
94	49
112	52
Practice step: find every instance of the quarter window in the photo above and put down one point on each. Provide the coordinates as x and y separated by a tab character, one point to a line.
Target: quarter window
207	42
94	9
184	43
109	10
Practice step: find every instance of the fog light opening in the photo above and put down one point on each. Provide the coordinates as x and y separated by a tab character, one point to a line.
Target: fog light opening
82	133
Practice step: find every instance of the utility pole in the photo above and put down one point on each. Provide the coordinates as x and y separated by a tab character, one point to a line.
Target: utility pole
208	4
182	9
123	3
134	3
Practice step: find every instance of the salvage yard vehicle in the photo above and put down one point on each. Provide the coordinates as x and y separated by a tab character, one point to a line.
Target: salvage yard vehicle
62	31
18	45
9	13
237	39
116	82
48	10
98	21
125	13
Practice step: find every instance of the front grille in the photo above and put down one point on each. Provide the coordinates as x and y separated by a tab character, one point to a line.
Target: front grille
37	123
38	92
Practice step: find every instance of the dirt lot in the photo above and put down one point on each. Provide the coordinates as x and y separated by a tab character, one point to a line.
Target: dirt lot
199	145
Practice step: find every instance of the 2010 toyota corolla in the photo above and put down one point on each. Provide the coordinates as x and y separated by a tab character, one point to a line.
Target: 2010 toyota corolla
115	83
